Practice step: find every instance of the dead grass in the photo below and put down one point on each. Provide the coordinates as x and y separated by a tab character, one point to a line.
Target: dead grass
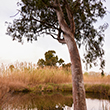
96	79
25	75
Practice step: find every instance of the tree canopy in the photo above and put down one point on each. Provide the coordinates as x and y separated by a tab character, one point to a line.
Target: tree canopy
50	59
39	17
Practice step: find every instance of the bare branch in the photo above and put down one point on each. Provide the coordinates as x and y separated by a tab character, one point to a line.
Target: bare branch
15	14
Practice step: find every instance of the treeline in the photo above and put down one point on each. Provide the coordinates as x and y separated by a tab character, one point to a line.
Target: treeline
50	60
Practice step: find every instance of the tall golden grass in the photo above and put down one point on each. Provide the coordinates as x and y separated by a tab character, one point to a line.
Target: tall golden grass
26	74
22	75
96	78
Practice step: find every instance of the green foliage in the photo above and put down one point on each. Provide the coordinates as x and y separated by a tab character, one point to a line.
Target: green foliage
98	88
60	61
39	17
50	59
41	63
66	66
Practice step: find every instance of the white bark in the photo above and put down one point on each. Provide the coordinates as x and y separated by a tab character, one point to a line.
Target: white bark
77	76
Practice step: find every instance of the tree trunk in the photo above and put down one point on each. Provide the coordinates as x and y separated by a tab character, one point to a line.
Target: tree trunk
77	76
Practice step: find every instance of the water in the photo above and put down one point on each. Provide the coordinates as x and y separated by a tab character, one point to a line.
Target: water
52	101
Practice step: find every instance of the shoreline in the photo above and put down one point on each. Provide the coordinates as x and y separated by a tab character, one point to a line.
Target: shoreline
51	87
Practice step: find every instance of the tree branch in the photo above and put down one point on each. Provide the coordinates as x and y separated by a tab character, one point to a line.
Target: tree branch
70	16
62	41
45	23
15	14
51	5
62	22
59	37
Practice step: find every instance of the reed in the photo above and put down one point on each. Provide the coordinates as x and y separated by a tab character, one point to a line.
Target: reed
21	76
96	78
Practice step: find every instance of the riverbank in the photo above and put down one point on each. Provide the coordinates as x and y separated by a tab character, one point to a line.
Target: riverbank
103	89
50	87
99	89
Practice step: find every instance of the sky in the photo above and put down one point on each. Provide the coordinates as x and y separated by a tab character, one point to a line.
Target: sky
12	51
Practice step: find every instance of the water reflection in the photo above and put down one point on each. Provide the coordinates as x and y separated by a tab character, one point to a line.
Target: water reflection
96	104
55	101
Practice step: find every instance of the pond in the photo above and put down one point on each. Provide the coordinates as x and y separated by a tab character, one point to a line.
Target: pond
51	101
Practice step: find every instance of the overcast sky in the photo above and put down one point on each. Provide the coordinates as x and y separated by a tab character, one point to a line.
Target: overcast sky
12	51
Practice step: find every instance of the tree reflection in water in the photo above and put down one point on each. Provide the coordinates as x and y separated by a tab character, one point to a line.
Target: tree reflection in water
55	101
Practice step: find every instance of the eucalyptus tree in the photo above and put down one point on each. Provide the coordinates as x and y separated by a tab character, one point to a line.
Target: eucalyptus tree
50	59
69	22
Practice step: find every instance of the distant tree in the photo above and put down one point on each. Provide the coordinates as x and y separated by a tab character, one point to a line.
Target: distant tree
41	63
50	59
66	66
11	67
69	22
102	73
61	61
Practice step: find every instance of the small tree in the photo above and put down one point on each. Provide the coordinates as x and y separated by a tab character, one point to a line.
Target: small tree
69	22
50	59
61	61
102	73
41	63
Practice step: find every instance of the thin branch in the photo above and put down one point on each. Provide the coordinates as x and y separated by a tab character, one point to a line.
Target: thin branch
52	34
59	40
108	11
15	14
58	37
43	22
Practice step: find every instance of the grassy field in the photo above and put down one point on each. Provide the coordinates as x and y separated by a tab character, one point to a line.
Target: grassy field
27	77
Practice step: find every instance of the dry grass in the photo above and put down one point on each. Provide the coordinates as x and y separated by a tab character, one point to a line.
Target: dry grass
96	78
26	74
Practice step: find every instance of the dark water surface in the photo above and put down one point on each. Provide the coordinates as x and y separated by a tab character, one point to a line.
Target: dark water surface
51	101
